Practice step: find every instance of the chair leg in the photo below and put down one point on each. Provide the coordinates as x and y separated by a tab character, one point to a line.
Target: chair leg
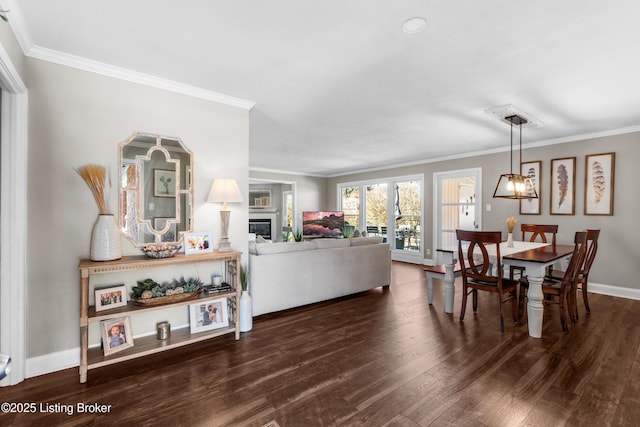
501	312
464	302
514	305
521	300
585	298
563	312
475	300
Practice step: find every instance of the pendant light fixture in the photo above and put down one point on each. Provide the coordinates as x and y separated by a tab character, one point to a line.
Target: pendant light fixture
513	185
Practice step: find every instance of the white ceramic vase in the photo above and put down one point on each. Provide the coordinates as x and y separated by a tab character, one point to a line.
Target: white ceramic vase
510	240
105	239
246	312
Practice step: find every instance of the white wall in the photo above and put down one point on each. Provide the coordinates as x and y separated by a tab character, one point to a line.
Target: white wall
77	118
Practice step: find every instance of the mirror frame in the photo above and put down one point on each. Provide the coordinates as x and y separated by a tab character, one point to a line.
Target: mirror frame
137	188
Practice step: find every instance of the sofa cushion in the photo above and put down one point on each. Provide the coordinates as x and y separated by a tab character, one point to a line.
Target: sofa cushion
331	243
368	240
281	247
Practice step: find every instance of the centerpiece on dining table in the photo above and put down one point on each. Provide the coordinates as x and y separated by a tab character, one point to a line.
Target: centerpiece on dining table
511	223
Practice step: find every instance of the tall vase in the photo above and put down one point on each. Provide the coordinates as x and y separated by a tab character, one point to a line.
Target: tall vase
510	240
105	239
246	312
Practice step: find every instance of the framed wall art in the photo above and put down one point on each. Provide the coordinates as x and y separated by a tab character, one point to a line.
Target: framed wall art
532	170
599	179
164	183
563	186
116	335
112	296
208	315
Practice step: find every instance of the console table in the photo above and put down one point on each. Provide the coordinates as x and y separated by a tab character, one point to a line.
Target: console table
94	357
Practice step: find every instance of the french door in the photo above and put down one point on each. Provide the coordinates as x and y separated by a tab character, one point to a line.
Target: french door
456	205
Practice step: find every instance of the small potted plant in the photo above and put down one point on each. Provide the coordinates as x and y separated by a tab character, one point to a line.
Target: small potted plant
297	235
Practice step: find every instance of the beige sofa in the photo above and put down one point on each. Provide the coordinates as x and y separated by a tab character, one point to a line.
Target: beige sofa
287	275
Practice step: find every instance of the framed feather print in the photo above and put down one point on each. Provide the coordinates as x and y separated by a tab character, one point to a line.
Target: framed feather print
599	173
532	170
563	186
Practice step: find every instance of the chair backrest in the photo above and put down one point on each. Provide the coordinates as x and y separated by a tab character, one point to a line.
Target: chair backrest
372	229
542	231
592	249
577	259
472	245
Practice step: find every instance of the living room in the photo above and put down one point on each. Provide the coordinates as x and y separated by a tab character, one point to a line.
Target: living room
76	116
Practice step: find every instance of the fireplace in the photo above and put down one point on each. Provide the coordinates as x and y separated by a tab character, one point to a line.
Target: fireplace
261	227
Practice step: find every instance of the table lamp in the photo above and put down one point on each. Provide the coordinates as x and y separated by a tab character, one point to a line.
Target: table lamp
224	191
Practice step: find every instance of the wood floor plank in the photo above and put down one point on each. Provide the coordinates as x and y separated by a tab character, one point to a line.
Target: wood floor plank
378	358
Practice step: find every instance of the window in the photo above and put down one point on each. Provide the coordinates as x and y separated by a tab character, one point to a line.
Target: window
391	208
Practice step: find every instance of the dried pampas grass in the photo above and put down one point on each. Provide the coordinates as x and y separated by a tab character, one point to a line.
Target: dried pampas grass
511	223
95	177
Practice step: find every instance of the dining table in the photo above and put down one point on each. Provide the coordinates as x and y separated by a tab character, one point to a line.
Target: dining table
535	257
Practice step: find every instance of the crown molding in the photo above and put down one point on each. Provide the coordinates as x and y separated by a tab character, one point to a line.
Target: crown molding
92	66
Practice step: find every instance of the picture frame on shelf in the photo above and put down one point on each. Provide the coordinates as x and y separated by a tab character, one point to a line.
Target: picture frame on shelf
164	183
198	243
110	297
208	315
116	335
532	170
599	183
563	186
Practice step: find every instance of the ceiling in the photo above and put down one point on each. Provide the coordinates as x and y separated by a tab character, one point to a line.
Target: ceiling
339	87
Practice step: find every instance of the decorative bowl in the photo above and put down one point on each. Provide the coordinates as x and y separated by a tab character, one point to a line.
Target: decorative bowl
161	251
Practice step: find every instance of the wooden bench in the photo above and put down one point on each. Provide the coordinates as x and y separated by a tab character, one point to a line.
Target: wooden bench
439	271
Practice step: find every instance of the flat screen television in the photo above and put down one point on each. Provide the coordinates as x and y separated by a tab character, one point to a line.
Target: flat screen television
322	223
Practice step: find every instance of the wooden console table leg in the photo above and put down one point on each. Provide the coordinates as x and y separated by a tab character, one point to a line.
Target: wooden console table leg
84	324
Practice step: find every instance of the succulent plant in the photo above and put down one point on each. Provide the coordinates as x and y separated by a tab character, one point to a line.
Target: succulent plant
148	288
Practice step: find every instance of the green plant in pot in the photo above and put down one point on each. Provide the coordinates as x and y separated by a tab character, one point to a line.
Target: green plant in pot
244	279
297	235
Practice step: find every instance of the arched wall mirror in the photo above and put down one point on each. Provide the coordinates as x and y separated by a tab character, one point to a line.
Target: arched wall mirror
156	189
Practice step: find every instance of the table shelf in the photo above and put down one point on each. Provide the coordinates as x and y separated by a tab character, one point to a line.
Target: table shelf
91	358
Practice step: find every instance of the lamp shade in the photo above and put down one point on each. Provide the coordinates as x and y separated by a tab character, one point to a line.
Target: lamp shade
224	191
514	186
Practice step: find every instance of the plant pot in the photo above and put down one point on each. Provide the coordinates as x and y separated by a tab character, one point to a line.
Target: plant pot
105	239
510	240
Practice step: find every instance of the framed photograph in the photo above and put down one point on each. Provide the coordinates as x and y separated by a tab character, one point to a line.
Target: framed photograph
599	178
197	243
532	170
563	186
112	296
208	315
164	183
116	335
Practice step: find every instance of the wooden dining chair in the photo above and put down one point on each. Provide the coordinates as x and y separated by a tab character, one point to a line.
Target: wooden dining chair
583	275
564	290
476	268
545	233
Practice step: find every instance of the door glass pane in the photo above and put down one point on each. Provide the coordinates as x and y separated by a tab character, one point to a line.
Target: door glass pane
458	208
351	207
407	213
376	208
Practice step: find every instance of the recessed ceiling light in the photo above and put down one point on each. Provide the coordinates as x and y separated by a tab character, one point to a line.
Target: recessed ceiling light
414	25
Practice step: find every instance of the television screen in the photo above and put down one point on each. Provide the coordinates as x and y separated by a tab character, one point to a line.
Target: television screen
322	223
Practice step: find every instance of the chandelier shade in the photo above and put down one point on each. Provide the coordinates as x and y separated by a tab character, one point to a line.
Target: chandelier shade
512	185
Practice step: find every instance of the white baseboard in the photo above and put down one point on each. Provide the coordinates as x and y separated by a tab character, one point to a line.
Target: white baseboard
614	291
52	362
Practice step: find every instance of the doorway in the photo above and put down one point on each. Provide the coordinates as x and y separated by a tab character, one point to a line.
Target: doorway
457	198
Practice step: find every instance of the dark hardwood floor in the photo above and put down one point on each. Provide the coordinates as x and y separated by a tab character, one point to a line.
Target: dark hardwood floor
381	358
